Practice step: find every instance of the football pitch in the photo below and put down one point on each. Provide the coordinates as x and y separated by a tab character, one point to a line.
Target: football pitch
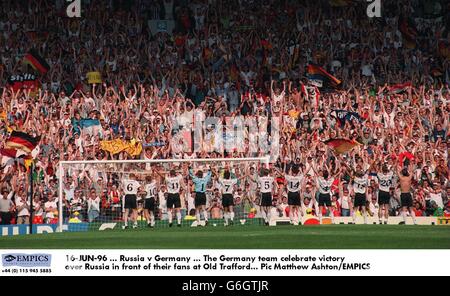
250	237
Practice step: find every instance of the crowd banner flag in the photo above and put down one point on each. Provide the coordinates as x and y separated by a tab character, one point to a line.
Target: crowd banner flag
33	59
319	77
90	126
343	116
342	146
400	88
22	141
133	147
28	82
94	77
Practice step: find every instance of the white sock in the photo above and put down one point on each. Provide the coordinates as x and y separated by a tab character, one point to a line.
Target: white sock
268	216
170	217
152	220
232	216
198	217
179	218
404	216
365	217
332	217
413	215
354	217
263	215
225	216
320	216
205	214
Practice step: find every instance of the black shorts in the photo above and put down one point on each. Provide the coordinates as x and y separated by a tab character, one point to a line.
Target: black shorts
130	201
384	198
360	200
407	200
227	200
266	199
324	200
200	199
294	199
173	201
149	204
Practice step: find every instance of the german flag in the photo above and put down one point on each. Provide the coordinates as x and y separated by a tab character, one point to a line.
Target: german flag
33	59
400	88
315	72
22	141
342	146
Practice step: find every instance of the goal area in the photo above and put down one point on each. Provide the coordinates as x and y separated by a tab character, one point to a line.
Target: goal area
92	195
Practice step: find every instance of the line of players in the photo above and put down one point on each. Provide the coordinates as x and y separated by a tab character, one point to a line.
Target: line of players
267	188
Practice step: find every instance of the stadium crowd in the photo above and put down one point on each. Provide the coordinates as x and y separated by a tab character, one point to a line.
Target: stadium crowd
227	59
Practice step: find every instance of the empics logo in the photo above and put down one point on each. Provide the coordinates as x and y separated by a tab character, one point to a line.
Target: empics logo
27	260
374	8
74	8
9	258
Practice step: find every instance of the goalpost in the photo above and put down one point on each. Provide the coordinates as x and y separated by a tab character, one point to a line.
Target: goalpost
92	177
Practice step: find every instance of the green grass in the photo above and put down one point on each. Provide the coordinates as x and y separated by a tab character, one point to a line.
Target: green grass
250	237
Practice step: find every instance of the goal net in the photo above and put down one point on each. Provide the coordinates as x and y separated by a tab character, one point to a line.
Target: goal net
144	194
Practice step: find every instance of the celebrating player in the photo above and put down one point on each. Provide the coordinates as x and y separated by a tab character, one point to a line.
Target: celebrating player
130	187
266	186
384	196
200	183
406	176
174	183
151	193
294	184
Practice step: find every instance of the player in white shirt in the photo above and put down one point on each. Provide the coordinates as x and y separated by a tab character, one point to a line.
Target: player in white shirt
294	185
385	182
360	184
130	188
174	184
266	186
151	194
228	185
323	184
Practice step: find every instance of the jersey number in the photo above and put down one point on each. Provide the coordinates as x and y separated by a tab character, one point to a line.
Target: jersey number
267	185
130	187
385	183
294	185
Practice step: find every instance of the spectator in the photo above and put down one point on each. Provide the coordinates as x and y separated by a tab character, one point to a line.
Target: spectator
93	206
6	206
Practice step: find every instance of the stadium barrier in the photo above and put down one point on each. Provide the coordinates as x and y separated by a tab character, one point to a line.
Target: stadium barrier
11	230
312	220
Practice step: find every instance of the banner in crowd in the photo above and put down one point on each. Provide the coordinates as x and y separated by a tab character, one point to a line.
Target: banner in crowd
343	116
22	141
133	147
313	92
319	77
24	82
400	88
342	146
94	77
90	126
33	59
